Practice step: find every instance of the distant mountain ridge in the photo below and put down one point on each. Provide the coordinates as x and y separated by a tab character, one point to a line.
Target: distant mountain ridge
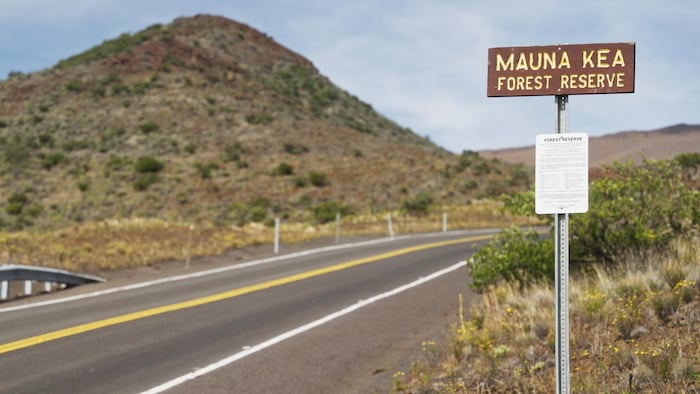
679	128
659	144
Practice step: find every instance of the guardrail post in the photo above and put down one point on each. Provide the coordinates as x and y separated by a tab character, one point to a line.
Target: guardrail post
27	287
4	287
444	222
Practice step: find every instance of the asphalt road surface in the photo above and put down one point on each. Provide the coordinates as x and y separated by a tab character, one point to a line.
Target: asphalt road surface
340	319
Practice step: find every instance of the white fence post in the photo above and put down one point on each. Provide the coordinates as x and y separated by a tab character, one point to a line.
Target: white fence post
337	227
277	235
189	246
444	222
390	225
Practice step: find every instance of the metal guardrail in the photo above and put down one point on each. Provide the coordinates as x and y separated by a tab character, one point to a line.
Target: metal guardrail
14	272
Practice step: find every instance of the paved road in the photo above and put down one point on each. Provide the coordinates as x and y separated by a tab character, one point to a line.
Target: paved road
250	317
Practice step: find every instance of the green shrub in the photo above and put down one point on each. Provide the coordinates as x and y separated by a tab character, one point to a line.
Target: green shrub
16	152
688	160
148	164
74	145
233	151
419	205
318	179
75	85
16	203
481	167
182	198
259	118
257	210
518	176
46	139
141	88
14	74
360	126
520	204
258	214
493	189
260	202
295	149
52	159
145	180
322	95
98	91
326	211
149	127
110	137
289	79
283	169
635	211
300	182
466	159
83	184
513	255
13	208
34	210
120	89
470	184
190	148
205	169
114	163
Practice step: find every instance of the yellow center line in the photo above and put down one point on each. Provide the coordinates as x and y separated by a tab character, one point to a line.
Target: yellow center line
82	328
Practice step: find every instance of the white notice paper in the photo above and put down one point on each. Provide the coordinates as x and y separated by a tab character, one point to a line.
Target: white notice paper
561	173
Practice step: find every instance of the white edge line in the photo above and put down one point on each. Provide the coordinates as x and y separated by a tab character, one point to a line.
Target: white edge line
299	330
231	268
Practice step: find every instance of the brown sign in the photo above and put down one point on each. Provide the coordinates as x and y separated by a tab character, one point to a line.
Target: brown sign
561	70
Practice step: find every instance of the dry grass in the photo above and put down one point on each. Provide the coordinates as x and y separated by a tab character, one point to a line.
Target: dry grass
633	331
115	244
120	244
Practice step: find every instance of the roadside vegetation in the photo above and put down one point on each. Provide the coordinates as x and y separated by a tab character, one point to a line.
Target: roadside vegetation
634	297
115	244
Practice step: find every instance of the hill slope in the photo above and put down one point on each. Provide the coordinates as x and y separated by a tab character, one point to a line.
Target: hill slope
208	119
657	144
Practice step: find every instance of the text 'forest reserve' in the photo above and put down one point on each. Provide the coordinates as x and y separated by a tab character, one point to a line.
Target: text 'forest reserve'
563	69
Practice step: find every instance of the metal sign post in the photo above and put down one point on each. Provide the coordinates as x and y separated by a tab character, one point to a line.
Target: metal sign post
561	269
561	70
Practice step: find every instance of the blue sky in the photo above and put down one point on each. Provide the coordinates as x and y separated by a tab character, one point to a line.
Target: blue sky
421	63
